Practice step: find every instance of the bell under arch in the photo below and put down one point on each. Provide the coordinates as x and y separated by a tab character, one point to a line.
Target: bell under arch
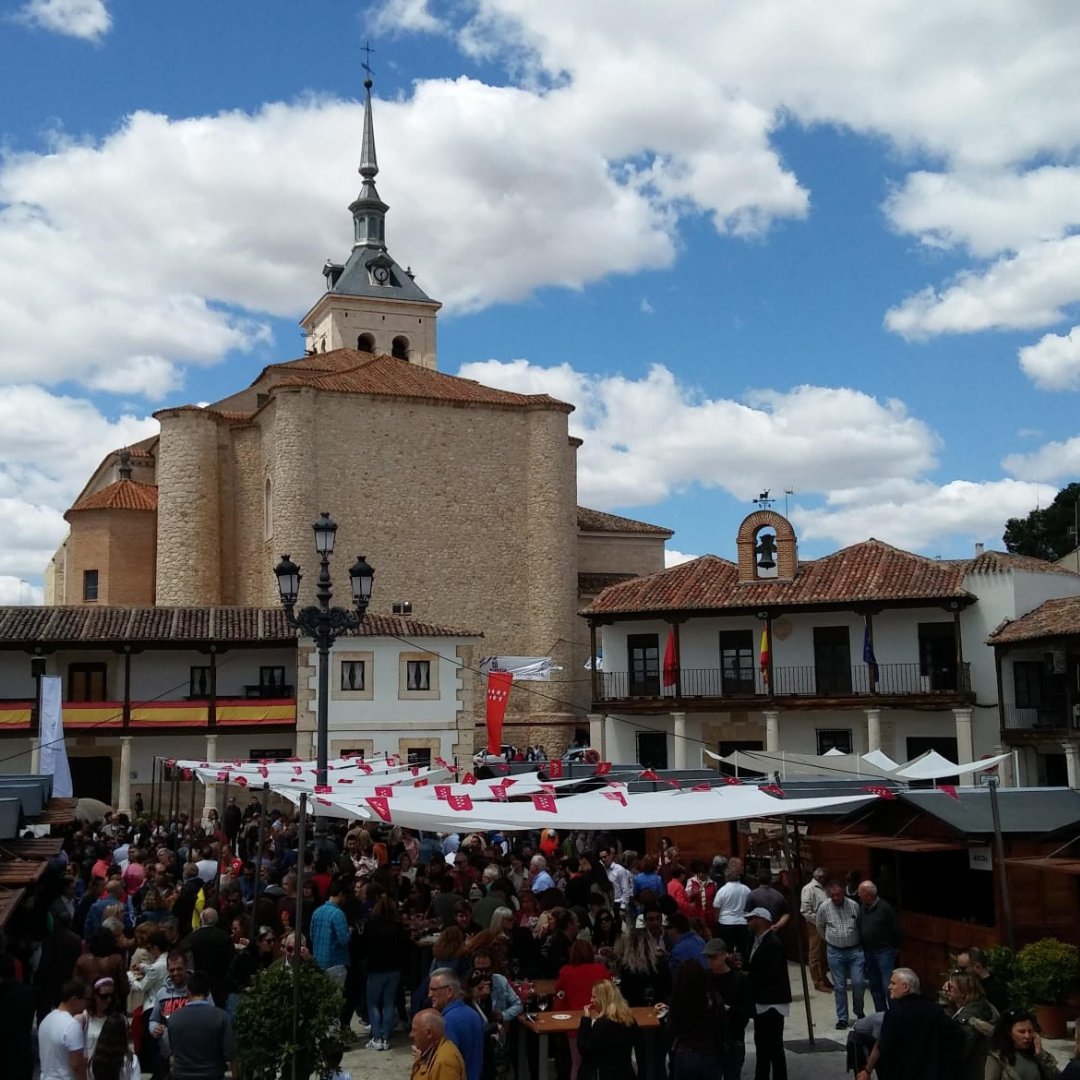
767	547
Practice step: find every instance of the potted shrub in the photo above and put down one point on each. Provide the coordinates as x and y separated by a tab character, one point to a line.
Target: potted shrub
264	1024
1046	974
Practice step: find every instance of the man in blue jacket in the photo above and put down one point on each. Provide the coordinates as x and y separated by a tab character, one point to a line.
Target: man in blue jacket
683	943
464	1027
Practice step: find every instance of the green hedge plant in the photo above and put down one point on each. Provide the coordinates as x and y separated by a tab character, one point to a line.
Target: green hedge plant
1047	972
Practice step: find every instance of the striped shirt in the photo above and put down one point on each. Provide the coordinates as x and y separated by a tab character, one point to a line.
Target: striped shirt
838	924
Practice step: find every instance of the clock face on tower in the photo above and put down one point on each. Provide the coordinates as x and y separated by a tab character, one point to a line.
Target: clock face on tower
381	274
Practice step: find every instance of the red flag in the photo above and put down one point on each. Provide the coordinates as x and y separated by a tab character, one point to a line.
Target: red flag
545	803
950	791
603	768
671	660
442	791
763	656
415	770
222	776
392	759
421	783
324	802
242	781
771	789
380	806
323	789
554	769
345	780
614	796
508	781
364	768
701	787
468	778
882	792
264	772
297	770
498	695
648	774
498	793
459	802
384	791
441	762
185	774
548	789
732	780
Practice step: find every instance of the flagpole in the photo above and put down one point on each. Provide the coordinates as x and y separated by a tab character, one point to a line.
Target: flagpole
999	853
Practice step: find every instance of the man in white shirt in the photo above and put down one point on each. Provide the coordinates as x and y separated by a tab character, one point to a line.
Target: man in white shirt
622	884
813	895
730	906
61	1040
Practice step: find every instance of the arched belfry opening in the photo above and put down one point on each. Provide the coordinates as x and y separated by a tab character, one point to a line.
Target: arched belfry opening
768	548
399	348
366	343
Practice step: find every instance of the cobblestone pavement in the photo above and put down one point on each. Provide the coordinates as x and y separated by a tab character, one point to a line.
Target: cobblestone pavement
828	1061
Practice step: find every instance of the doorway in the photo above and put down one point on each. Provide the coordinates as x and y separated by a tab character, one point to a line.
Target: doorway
91	778
652	749
643	651
937	655
832	659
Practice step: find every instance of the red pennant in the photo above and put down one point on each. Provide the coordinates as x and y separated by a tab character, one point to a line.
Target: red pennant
555	769
548	789
421	783
700	787
498	697
603	768
185	774
296	779
264	772
772	789
345	780
241	781
733	780
265	760
950	791
392	759
498	793
459	802
380	805
364	768
442	791
441	762
324	802
170	763
615	796
503	767
323	789
545	803
882	792
384	792
648	774
415	770
297	770
223	776
468	778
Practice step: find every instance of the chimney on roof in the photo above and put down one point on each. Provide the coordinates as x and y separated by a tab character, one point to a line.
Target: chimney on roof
979	549
125	464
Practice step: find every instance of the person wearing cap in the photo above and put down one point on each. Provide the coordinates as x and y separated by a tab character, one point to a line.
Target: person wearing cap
734	991
770	991
813	895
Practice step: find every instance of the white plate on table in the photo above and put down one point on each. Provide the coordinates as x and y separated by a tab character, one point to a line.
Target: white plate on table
562	1016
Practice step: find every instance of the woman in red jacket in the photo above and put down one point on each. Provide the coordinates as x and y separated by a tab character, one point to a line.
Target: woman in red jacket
575	983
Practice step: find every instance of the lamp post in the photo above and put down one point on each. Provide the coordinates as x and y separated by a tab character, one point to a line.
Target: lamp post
320	621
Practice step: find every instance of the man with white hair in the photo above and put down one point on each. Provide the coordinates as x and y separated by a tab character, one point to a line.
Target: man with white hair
881	936
918	1041
539	880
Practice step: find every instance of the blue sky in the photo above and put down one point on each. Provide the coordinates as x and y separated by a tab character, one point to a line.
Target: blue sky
757	246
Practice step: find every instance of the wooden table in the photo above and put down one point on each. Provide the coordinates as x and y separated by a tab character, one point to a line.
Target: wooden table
544	1024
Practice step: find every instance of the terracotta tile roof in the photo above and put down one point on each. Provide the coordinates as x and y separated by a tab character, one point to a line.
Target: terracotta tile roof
347	371
122	495
1052	618
1001	562
598	521
591	584
106	625
871	570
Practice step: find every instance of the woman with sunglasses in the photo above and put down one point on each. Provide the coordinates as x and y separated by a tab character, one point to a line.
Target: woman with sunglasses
101	1005
1016	1051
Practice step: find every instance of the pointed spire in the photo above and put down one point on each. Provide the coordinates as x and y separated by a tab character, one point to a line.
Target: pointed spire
369	165
368	210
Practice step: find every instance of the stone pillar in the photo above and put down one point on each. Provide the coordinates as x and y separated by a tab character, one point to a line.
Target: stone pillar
965	748
772	731
1072	761
681	756
210	789
123	788
873	729
596	734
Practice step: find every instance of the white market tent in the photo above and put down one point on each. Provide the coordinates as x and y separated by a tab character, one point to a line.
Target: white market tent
874	765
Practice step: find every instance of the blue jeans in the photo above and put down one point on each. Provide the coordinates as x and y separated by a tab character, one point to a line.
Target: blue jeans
879	969
381	996
844	964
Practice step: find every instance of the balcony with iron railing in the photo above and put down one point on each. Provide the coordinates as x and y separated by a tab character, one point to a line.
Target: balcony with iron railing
1049	720
716	687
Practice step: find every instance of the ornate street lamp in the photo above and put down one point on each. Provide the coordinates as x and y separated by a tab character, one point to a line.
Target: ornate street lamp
320	621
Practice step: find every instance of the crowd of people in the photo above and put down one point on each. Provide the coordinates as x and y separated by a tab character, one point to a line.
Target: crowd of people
142	940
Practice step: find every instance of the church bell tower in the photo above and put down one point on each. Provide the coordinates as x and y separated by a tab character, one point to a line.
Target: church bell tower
371	303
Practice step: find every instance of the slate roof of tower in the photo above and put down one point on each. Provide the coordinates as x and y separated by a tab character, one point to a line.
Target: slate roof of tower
871	570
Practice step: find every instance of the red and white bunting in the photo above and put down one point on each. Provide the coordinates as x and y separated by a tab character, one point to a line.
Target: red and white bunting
615	796
734	781
950	791
459	802
442	791
545	804
881	792
380	805
421	783
603	768
554	769
323	789
498	793
384	791
468	778
772	789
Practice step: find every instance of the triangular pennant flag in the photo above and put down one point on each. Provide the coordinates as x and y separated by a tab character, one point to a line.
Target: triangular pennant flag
498	793
415	770
950	791
459	802
508	781
384	791
380	805
772	789
468	778
323	789
345	780
364	768
732	780
441	762
615	796
554	769
421	783
545	803
603	768
548	789
649	774
297	770
241	781
222	776
701	787
392	759
324	802
882	792
264	772
442	791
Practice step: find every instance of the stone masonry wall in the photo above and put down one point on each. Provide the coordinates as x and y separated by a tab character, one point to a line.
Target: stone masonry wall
615	553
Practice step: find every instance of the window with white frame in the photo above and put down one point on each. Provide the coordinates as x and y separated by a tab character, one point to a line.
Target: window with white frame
352	675
417	674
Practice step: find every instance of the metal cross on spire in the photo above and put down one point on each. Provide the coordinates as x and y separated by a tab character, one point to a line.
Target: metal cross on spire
367	50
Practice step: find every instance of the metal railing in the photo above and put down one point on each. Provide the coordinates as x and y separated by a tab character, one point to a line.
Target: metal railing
1038	718
805	680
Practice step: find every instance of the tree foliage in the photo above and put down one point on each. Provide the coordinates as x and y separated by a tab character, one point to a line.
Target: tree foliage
1046	533
264	1023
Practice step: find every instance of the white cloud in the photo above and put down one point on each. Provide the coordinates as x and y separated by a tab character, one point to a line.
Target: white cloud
646	307
1058	460
49	445
918	515
15	590
1054	363
647	438
86	19
676	558
405	16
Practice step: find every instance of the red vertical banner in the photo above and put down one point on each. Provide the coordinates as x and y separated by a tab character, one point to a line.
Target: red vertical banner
671	660
498	695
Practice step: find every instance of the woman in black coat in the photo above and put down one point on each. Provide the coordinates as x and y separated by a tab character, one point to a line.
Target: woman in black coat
606	1036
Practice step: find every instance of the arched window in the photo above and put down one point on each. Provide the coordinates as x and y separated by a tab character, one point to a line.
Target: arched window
268	509
400	348
365	343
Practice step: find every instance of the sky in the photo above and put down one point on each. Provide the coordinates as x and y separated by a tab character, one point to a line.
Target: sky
830	251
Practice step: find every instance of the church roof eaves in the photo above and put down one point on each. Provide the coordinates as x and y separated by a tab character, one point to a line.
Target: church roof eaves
121	495
601	521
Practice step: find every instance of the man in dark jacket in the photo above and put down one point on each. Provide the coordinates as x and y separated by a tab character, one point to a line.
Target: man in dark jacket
200	1036
770	991
212	952
918	1041
881	936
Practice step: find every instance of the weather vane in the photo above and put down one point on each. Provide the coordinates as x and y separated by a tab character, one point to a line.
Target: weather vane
367	50
763	501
